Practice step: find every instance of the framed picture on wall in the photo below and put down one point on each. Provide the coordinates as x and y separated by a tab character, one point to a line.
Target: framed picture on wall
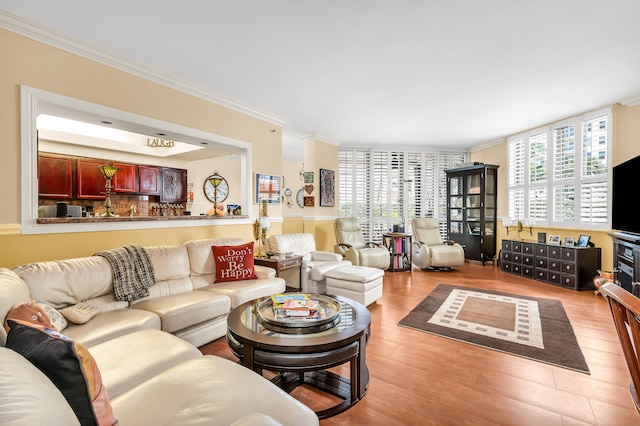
308	177
327	188
309	201
267	188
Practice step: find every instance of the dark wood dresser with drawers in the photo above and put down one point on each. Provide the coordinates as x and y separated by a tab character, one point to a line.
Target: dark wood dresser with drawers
569	267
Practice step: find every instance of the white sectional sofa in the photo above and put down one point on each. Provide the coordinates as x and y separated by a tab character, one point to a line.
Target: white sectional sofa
183	301
146	350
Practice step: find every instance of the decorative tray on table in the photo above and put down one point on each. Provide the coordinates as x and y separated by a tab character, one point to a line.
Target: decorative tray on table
298	313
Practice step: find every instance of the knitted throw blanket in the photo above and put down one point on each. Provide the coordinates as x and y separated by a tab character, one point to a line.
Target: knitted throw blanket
132	271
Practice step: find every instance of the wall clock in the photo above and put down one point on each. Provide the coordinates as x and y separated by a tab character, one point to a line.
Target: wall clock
220	192
300	198
287	193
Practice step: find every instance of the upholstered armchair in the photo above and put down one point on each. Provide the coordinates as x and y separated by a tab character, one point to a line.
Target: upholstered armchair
351	245
315	264
429	251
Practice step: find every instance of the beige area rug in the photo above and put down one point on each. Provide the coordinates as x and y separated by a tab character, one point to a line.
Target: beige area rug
530	327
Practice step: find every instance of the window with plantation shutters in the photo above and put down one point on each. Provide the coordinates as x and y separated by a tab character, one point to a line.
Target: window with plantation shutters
413	181
594	170
517	176
381	198
399	186
538	159
537	203
558	175
517	172
564	204
354	179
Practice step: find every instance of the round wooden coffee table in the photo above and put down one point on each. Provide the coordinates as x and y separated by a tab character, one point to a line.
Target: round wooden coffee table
303	358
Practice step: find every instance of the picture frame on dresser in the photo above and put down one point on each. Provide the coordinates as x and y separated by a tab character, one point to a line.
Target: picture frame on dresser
554	240
583	240
569	242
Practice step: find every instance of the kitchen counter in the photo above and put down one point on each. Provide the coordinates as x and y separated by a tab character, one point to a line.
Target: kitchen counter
48	220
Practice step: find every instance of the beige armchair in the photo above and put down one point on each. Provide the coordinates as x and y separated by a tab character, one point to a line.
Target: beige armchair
315	264
351	245
429	251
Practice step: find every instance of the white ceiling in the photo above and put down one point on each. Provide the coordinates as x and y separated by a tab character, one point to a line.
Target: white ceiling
450	74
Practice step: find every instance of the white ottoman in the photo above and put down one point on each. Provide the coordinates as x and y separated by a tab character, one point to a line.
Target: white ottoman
360	283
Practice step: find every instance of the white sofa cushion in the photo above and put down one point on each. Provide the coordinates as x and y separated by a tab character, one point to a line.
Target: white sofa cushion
256	419
169	262
201	255
29	396
109	325
13	292
66	282
183	310
298	243
218	390
125	361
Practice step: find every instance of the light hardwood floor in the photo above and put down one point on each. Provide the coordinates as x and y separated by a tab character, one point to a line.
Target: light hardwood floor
421	379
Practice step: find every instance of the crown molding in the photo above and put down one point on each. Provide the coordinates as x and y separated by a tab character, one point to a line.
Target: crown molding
61	41
631	102
487	145
316	136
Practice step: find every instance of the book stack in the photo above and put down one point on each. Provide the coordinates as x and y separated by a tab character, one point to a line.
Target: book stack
295	306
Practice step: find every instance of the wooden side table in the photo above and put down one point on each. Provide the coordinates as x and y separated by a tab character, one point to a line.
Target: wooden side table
281	264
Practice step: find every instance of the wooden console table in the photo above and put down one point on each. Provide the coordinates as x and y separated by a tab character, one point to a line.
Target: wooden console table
569	267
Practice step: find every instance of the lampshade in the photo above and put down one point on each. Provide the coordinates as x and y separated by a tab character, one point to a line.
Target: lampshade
109	170
265	223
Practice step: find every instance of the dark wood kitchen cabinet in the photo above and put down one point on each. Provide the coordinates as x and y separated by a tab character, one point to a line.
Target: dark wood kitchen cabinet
174	185
89	179
55	176
125	178
149	180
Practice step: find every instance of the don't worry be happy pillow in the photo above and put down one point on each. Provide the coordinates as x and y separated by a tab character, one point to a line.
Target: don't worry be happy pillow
234	263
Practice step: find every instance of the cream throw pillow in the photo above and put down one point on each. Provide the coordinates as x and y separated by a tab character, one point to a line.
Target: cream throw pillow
57	319
80	313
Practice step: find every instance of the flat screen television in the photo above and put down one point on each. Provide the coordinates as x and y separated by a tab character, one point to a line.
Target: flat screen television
624	216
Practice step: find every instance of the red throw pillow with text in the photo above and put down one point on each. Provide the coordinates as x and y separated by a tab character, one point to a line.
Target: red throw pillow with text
234	263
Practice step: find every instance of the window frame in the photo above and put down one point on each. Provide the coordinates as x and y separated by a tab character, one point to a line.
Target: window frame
525	188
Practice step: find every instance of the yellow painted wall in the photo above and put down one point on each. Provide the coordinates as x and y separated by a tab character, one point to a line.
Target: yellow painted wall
47	68
319	220
292	216
626	128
